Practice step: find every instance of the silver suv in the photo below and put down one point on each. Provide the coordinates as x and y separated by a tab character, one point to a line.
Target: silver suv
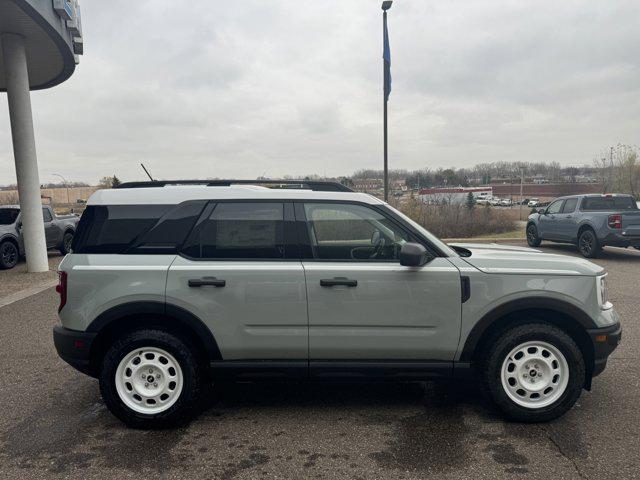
171	286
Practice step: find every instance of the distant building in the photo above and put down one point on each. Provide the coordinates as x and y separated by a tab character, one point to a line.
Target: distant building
452	196
367	185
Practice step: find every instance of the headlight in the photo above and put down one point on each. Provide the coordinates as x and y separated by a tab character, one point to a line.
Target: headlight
603	295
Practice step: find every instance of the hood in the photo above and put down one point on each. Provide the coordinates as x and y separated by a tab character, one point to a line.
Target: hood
507	259
7	229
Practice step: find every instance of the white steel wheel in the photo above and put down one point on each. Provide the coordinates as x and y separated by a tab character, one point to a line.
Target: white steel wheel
535	374
149	380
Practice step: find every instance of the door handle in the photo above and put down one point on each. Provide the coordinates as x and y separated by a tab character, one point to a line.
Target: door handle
338	281
569	216
207	281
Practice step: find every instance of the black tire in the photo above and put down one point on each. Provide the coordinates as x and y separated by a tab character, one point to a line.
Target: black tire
588	244
188	401
9	255
533	239
509	340
67	239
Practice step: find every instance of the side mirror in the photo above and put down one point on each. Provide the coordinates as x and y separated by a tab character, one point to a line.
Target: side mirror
542	211
414	255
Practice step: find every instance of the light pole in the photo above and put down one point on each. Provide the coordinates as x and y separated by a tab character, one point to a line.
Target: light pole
386	71
66	184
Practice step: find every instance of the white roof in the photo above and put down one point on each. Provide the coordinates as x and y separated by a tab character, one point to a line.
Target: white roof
174	194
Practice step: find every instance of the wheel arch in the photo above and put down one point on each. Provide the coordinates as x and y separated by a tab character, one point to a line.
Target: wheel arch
566	316
585	226
135	315
10	238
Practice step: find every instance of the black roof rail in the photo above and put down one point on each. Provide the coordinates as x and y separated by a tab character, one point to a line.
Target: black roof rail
315	185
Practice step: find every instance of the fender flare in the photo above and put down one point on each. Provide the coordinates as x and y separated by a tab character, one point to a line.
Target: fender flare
514	306
185	319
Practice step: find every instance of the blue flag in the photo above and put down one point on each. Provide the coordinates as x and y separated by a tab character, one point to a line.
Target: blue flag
386	55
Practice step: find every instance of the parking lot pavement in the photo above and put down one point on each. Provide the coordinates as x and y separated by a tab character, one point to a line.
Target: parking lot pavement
53	423
18	280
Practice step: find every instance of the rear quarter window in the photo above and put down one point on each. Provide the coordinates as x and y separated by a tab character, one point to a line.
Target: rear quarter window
135	228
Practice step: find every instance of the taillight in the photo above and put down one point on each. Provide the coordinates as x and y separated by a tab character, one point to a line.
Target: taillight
61	288
615	221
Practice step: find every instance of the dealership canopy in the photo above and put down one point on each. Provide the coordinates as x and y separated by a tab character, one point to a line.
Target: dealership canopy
40	41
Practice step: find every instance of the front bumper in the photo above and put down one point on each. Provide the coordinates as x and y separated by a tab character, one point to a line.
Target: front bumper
604	340
74	347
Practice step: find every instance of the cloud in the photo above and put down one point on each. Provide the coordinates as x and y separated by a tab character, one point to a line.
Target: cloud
248	88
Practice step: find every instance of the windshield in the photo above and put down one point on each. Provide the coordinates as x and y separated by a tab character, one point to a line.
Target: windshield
8	216
446	249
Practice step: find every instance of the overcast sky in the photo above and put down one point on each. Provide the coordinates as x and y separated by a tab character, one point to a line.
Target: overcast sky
245	88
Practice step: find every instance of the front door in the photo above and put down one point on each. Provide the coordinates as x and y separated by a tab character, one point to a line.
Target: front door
548	225
363	305
237	275
50	230
567	224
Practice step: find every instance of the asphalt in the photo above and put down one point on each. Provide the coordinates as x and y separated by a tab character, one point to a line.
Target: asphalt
53	423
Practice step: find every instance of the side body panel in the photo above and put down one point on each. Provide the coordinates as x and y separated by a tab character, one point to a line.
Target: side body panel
259	314
96	283
490	290
394	312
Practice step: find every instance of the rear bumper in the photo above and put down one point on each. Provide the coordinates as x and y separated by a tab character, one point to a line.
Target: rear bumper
605	341
620	240
74	347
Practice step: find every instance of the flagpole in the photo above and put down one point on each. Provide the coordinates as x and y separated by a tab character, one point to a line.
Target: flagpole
386	5
385	100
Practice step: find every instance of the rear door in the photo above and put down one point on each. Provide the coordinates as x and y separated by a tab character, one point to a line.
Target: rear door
363	305
240	273
548	225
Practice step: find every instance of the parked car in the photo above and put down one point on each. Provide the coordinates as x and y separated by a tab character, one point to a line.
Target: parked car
588	221
59	231
534	202
506	202
495	202
171	286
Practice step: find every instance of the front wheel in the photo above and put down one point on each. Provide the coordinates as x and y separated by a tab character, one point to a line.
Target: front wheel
534	372
151	379
9	255
533	240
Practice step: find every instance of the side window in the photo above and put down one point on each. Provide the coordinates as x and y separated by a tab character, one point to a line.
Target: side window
570	205
240	231
170	231
352	232
113	228
46	215
555	207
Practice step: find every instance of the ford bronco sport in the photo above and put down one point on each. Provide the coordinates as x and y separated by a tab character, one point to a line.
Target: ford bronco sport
173	284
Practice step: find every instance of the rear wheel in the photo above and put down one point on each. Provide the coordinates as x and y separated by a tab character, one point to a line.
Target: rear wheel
588	244
9	255
533	240
151	379
534	372
67	240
